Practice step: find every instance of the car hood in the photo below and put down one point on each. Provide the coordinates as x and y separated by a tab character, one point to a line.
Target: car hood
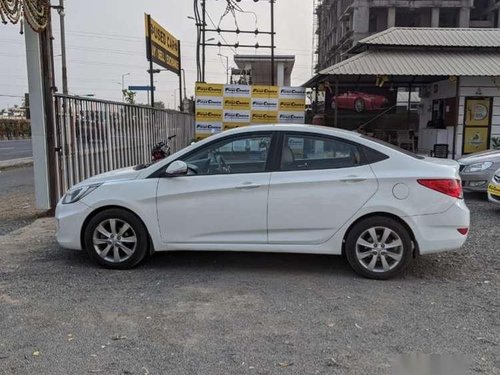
490	155
128	173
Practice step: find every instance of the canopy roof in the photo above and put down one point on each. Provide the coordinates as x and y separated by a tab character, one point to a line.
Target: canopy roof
419	55
419	62
434	37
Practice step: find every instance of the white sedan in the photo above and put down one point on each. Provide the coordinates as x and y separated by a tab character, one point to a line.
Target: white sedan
273	188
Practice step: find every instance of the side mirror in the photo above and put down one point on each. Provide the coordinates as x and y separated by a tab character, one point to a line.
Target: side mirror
177	168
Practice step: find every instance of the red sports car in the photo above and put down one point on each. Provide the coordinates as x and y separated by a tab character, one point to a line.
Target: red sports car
360	101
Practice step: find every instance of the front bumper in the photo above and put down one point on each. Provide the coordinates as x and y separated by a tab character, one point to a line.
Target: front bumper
439	232
70	219
494	193
476	182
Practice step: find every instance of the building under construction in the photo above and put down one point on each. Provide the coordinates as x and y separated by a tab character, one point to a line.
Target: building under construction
341	23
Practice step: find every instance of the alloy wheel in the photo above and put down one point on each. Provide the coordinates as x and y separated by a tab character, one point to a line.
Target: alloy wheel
114	240
379	249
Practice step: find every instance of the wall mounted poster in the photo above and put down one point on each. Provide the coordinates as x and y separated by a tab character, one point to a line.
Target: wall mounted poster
477	124
221	107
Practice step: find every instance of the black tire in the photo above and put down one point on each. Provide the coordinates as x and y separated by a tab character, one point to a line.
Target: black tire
361	231
137	230
359	105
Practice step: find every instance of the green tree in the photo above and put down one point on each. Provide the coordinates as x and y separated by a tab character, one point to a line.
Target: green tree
495	143
129	96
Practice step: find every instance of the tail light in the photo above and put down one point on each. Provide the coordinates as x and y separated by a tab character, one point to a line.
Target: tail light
450	187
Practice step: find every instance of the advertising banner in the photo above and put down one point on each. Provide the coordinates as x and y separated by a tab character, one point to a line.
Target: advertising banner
221	107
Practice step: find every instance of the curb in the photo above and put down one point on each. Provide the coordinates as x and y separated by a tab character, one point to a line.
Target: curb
14	163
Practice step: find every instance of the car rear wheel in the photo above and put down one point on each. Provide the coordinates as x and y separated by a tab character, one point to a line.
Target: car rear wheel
359	105
379	248
116	238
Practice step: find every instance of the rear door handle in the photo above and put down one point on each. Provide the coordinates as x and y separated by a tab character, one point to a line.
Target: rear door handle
247	186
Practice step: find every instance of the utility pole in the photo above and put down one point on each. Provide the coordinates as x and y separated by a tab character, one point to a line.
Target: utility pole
272	44
63	47
204	30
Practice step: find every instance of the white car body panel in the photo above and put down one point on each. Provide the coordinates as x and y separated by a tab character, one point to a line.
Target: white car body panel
311	206
213	213
228	208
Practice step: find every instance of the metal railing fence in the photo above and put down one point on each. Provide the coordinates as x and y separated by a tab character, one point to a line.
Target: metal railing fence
96	136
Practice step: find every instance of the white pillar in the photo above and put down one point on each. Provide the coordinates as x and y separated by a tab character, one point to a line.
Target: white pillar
38	121
464	20
391	17
281	74
435	17
361	19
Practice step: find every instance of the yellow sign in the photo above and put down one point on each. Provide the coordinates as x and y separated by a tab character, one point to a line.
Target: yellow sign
162	38
264	117
206	89
475	139
234	125
162	47
265	92
202	136
165	59
292	105
209	115
237	103
478	112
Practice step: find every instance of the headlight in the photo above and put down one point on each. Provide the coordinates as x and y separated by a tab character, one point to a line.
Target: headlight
478	167
75	194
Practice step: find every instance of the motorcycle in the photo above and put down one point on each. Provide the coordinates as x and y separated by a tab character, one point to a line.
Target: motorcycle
162	149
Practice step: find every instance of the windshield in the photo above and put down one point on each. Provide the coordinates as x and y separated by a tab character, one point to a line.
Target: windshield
394	147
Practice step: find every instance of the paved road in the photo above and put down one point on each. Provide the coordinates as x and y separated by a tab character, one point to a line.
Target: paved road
18	179
241	313
15	149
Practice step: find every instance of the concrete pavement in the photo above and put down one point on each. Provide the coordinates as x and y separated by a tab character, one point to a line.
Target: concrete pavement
17	199
15	149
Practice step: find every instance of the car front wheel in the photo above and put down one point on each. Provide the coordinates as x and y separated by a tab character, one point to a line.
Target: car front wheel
379	248
359	105
116	238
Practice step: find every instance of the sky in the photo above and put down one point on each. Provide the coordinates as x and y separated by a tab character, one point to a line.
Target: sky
105	39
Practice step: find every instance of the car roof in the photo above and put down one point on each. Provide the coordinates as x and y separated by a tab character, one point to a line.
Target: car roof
292	127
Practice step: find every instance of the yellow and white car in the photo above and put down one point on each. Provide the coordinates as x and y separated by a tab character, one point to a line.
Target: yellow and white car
494	188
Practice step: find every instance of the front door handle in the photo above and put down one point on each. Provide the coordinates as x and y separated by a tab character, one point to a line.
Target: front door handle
247	186
353	179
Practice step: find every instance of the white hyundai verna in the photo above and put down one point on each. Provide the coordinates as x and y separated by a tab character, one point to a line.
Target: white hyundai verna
273	188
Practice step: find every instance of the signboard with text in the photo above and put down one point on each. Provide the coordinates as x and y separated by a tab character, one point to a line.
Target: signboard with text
161	46
220	107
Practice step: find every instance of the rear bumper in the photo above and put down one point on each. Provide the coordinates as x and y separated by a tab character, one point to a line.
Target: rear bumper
69	219
439	232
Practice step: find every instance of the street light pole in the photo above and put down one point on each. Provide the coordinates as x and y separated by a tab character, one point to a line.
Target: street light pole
123	85
227	66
